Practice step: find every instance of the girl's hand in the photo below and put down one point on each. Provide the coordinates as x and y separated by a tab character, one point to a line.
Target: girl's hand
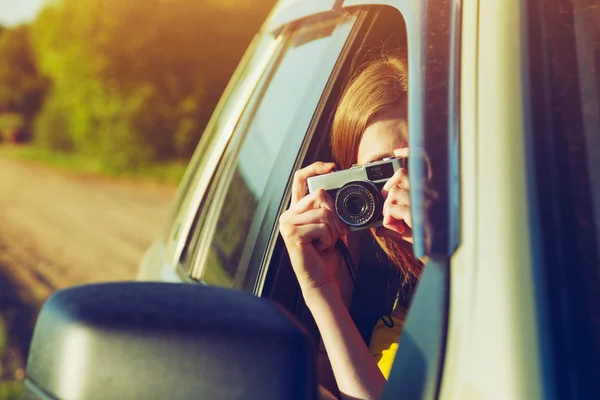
310	230
397	222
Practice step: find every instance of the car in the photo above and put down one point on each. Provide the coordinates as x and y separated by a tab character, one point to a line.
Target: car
504	102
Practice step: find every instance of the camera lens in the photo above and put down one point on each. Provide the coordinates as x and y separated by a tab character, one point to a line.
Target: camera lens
355	205
358	203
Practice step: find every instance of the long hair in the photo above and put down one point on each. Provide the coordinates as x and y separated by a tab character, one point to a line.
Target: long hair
378	86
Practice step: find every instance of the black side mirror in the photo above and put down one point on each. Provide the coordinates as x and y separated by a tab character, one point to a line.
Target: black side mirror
144	340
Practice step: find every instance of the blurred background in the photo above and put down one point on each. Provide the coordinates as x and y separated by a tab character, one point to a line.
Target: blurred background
102	103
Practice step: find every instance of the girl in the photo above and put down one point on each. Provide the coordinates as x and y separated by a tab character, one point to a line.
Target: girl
370	124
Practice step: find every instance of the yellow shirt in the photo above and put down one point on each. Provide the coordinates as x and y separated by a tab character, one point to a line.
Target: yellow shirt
384	340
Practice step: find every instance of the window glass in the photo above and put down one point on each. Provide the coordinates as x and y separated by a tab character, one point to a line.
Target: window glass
262	141
218	130
567	142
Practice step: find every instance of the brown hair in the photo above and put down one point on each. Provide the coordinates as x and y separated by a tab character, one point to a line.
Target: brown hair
378	86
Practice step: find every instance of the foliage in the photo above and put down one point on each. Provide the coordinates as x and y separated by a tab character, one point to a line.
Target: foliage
10	120
165	173
50	127
135	82
21	86
11	390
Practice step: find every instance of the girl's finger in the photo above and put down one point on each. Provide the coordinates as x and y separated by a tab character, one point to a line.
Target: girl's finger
318	234
400	178
301	176
320	199
320	215
398	195
394	213
314	216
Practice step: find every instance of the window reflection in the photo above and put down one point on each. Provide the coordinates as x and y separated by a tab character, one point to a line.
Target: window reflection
264	138
212	136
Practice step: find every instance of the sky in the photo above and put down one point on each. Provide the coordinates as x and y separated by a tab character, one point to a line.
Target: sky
13	12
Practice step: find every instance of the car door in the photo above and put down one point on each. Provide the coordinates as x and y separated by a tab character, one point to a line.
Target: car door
563	146
524	304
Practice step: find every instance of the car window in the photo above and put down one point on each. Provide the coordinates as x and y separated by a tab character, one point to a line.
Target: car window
242	182
565	87
216	136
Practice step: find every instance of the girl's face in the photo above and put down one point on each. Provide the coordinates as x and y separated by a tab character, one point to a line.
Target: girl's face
387	132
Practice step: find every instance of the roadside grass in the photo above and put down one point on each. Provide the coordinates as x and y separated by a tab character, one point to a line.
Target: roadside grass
169	173
10	120
11	390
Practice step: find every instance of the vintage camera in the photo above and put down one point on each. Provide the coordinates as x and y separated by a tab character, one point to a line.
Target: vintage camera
357	191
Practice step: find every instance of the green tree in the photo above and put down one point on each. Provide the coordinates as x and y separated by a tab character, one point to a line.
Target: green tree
136	81
22	88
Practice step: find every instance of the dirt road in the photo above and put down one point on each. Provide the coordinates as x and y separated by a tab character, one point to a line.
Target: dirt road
59	229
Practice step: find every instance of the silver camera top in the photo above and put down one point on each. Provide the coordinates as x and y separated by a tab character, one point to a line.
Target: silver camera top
378	171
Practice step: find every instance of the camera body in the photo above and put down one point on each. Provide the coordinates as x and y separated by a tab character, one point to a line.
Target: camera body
357	191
